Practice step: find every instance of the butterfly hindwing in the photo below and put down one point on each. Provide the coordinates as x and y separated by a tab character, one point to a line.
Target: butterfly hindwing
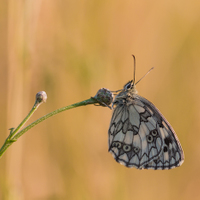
172	153
140	137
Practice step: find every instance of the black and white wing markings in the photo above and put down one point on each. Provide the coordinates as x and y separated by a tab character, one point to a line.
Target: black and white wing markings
140	137
172	153
133	137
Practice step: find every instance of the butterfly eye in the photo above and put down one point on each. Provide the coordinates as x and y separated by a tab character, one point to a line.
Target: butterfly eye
128	85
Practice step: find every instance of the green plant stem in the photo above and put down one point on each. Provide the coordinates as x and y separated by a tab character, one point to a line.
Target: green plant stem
14	131
14	135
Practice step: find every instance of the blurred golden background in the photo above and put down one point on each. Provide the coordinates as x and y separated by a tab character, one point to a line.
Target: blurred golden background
70	49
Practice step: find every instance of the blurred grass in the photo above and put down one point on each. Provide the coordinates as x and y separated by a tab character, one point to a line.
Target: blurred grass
70	49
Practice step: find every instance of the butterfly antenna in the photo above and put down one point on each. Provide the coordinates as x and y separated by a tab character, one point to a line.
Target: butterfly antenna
144	75
134	68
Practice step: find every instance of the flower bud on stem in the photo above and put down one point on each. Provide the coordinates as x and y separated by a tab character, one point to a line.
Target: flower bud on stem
103	97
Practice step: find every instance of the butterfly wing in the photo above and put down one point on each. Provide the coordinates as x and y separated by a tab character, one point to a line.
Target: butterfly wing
172	154
140	136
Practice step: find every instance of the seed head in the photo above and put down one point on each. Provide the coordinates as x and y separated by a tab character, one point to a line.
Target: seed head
41	97
104	96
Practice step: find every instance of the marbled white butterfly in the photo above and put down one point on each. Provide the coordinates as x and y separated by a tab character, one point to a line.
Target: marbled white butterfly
139	135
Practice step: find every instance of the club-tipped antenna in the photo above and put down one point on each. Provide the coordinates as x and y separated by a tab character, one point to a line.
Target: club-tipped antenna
134	69
143	76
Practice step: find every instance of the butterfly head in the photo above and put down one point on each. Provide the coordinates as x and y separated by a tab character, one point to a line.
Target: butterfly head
128	90
130	87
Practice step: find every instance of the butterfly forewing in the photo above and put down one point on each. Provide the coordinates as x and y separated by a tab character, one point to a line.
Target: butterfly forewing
139	135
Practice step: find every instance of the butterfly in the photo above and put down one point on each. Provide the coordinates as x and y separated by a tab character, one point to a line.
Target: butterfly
139	135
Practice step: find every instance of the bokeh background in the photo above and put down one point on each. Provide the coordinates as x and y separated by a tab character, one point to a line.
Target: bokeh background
70	49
